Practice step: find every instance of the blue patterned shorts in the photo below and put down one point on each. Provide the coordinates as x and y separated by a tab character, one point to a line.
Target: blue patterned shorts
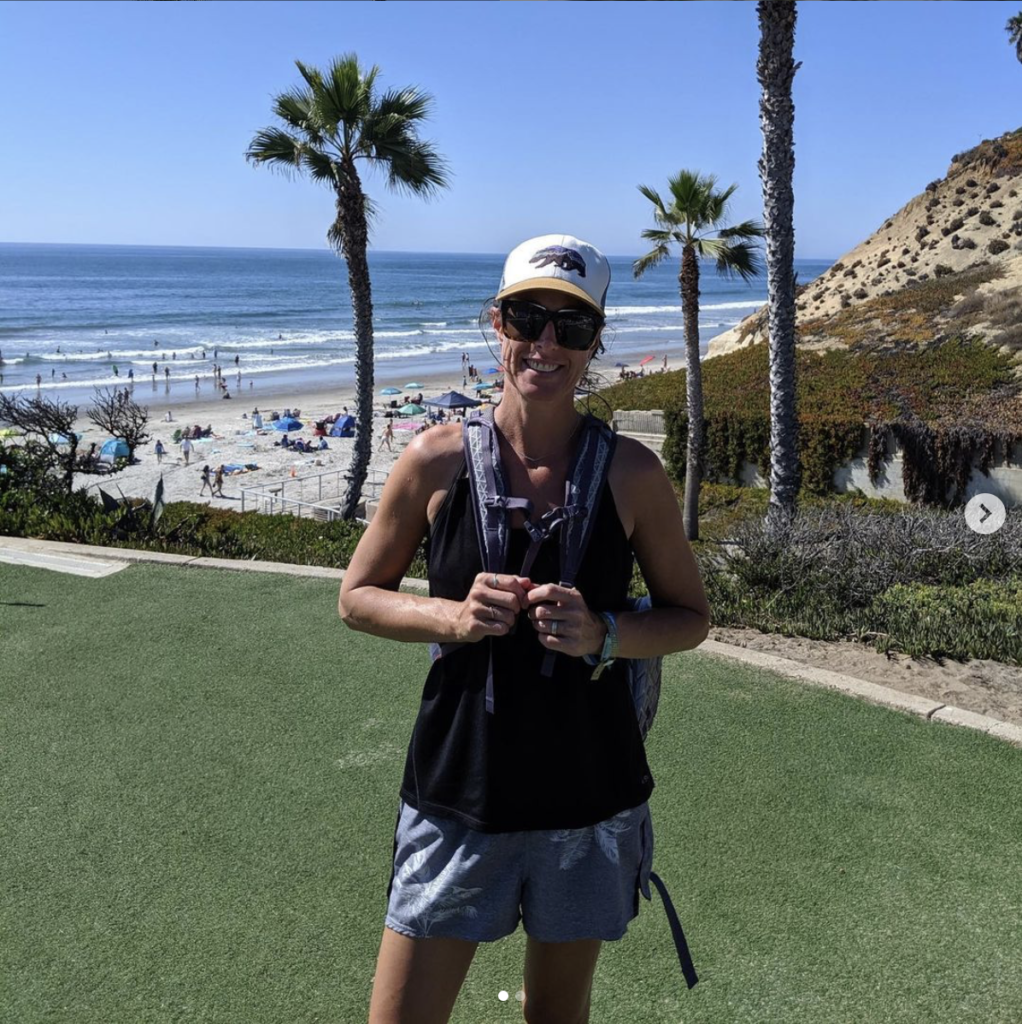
451	881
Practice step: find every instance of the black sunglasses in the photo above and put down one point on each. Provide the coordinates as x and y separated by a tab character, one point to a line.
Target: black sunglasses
573	328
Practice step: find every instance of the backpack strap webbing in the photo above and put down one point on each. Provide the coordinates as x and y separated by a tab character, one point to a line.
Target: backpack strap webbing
491	505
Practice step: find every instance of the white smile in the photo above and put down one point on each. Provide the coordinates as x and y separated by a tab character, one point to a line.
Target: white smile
541	367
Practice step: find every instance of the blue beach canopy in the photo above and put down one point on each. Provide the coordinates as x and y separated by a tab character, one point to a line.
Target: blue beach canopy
453	400
286	423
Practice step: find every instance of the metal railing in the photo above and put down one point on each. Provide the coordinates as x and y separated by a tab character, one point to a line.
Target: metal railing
313	495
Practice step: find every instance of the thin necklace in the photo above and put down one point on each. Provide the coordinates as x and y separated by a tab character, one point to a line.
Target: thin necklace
541	458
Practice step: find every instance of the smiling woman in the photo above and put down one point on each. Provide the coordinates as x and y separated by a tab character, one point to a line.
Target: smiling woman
470	804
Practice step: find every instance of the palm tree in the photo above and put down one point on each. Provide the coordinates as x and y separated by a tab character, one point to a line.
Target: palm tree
694	220
335	121
1014	30
775	70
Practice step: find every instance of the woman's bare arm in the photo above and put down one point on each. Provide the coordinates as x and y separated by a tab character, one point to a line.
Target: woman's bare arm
680	617
370	601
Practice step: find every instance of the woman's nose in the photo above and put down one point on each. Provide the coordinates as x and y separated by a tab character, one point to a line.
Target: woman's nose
548	335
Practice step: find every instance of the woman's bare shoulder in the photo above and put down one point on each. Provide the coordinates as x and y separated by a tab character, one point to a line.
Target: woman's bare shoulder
633	467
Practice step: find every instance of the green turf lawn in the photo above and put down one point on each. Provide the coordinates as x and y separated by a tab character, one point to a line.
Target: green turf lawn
200	774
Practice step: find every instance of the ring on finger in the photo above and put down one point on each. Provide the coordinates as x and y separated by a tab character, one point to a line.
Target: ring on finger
493	613
553	627
495	583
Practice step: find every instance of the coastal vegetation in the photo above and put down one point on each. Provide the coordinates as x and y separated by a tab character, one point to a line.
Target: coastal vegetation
337	120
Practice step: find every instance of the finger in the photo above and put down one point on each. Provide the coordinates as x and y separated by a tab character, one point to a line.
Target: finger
504	598
552	592
510	584
491	608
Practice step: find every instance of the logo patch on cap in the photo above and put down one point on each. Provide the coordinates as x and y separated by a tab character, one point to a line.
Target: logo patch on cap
566	259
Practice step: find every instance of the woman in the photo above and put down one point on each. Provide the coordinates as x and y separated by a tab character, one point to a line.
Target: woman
536	812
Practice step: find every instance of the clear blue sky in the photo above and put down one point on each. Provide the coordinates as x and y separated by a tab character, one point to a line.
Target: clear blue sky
126	122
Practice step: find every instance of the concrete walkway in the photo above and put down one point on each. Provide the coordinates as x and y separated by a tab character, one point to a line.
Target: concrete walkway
89	560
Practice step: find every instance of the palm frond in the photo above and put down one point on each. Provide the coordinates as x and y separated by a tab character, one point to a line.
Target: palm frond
275	147
659	235
319	165
747	229
651	259
659	210
295	108
417	169
733	259
410	103
689	190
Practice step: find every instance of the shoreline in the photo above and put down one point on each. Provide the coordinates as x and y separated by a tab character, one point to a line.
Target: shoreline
235	442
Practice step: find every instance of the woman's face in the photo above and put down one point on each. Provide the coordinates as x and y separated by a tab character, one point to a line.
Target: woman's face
542	369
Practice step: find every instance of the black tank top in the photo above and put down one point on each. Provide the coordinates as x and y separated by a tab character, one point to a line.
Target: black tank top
558	752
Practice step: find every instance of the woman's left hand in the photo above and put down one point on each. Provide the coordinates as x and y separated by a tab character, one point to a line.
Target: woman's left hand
563	621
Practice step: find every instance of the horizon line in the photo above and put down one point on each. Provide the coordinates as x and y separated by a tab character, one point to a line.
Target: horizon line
370	251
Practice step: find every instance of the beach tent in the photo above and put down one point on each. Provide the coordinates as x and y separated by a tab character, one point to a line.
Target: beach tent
115	448
286	423
453	400
344	427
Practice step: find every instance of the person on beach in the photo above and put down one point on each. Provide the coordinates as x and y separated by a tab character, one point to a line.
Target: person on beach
160	450
218	482
205	482
388	437
560	839
186	448
166	374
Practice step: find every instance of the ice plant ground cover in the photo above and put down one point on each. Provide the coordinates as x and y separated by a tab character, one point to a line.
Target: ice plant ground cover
200	781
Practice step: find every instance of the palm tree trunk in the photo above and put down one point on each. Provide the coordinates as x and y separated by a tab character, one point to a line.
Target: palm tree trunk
775	71
351	226
688	281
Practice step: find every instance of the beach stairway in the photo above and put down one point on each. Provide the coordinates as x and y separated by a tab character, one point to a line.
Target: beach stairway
645	425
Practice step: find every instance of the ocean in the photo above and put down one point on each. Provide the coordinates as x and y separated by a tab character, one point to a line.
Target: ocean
86	316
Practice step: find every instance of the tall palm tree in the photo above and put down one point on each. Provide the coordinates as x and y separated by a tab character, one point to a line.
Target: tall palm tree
338	119
694	220
775	70
1014	30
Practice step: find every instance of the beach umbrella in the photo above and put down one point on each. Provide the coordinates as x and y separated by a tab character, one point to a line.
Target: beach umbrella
411	409
414	384
620	364
642	362
391	391
286	423
493	369
453	400
481	386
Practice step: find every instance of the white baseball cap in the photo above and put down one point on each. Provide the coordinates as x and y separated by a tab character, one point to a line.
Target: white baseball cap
560	262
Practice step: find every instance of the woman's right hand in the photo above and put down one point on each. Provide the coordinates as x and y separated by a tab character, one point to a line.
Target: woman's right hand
492	606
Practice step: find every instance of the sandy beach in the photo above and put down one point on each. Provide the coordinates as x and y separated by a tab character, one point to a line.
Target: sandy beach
234	441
